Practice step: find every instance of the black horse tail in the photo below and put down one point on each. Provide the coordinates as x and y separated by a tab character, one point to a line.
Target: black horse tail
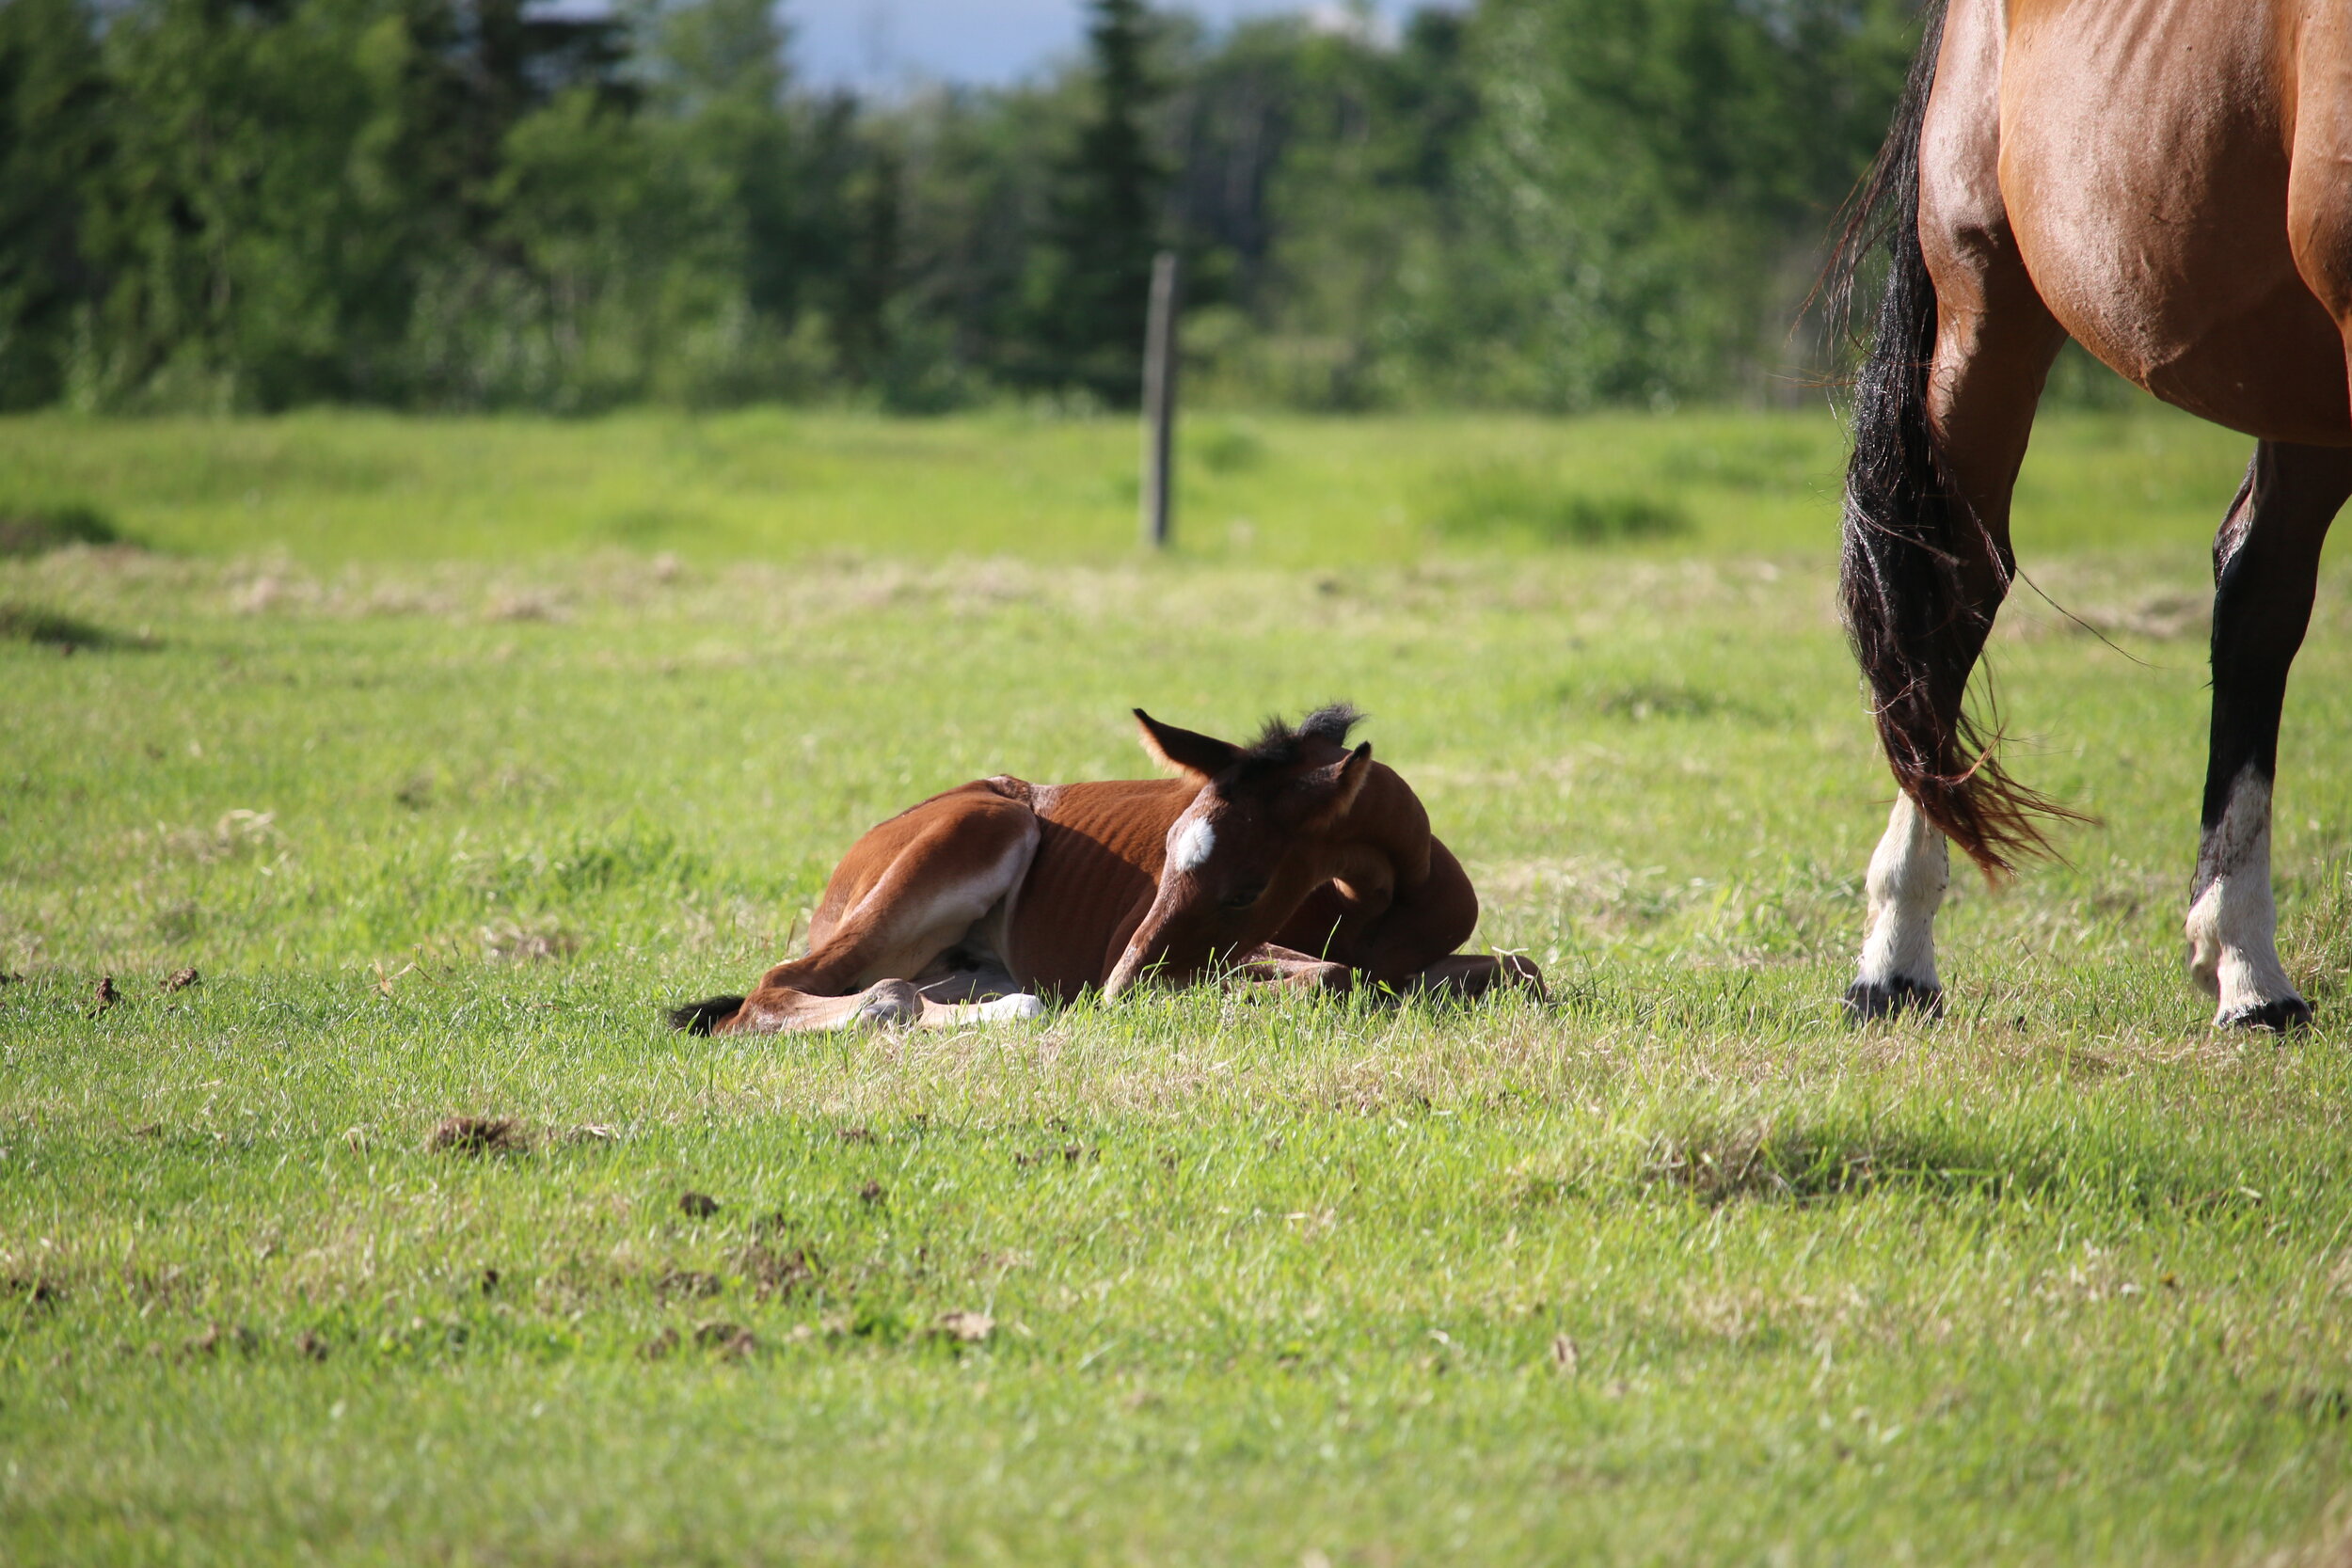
696	1017
1915	632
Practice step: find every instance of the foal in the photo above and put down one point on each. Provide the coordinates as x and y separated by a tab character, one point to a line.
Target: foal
1293	859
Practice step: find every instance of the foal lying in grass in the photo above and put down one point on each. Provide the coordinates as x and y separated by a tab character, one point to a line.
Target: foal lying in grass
1292	861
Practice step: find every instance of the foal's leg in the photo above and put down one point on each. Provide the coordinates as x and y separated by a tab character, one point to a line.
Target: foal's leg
1421	925
906	892
1408	945
1464	975
1291	969
1468	975
986	995
2265	563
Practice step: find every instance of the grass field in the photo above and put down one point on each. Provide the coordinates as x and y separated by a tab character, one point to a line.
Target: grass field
447	753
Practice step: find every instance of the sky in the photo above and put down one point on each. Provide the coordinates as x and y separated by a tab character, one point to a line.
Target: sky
882	44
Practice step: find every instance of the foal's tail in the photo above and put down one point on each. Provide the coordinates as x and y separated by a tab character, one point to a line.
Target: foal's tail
696	1017
1914	631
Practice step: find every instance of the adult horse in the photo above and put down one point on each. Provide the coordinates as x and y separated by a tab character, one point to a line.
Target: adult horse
1293	860
2169	183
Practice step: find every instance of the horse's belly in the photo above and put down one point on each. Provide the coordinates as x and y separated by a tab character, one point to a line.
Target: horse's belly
1096	866
2144	168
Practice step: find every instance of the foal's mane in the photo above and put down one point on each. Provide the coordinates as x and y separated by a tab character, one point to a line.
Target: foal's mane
1280	742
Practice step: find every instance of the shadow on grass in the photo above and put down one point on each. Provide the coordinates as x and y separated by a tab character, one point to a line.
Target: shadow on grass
48	628
38	529
1803	1162
39	626
1501	501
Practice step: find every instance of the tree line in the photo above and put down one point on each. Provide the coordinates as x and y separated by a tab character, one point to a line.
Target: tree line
456	204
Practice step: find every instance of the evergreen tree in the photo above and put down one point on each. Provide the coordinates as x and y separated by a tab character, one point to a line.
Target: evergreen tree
1089	295
52	101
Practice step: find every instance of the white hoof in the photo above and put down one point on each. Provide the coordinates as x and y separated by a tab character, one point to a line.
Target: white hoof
1017	1007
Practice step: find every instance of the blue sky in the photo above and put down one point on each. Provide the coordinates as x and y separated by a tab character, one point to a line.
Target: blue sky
887	43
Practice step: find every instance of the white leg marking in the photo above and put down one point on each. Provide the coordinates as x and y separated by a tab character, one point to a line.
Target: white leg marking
1909	872
2233	921
1017	1007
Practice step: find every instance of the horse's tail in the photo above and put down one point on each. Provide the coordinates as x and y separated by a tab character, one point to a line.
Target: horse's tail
696	1017
1914	631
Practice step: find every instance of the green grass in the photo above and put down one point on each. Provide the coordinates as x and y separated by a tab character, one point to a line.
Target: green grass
445	782
328	490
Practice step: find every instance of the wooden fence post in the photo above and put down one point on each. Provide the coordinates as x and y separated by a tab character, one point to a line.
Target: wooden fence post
1159	404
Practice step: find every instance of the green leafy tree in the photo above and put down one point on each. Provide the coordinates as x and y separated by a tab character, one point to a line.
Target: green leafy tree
472	203
1647	188
53	147
1324	162
1089	293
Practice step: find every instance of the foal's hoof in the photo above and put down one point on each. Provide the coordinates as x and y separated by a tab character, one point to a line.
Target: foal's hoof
1515	971
2281	1016
1870	998
1020	1007
889	1004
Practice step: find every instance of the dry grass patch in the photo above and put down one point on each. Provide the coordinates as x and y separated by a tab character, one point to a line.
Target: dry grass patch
479	1135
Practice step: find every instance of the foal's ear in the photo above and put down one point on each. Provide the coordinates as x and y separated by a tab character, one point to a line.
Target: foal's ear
1335	789
1201	755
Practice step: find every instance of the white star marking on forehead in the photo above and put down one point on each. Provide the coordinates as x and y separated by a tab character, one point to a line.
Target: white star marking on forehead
1194	845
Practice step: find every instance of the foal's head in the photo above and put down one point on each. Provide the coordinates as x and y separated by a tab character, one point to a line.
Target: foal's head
1248	851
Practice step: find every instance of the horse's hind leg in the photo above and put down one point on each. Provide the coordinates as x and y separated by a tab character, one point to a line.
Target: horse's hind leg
988	994
1994	347
2266	564
1940	423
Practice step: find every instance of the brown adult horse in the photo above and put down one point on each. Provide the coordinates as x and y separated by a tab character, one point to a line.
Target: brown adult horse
1293	860
2168	182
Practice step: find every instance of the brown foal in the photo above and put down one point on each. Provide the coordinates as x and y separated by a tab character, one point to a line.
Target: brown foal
1293	861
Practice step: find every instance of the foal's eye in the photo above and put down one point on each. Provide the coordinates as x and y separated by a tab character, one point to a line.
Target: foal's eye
1241	898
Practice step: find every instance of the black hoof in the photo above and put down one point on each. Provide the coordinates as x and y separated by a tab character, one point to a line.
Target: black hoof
2283	1016
696	1017
1887	999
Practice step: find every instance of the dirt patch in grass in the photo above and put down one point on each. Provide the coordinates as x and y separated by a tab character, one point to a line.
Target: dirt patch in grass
687	1282
216	1337
965	1329
477	1136
516	941
35	1290
731	1341
777	1274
